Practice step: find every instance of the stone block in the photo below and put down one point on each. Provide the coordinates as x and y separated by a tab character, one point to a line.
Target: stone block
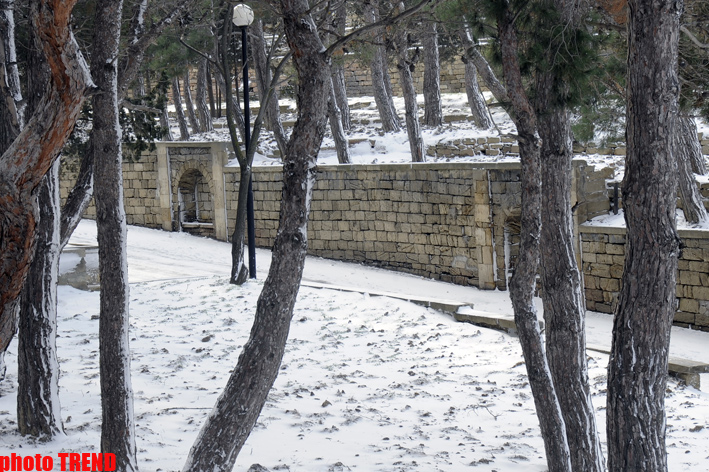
616	271
689	278
615	249
688	305
600	270
684	317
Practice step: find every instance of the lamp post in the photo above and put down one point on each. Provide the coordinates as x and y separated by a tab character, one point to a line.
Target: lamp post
242	17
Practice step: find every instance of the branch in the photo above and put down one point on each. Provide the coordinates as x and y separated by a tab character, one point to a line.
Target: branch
693	38
136	107
385	22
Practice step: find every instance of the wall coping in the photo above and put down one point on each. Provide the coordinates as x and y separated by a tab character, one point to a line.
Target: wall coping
684	233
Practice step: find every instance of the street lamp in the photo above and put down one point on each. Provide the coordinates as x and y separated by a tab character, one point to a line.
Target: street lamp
242	17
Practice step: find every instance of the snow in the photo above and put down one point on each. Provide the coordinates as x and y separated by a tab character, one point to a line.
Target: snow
618	221
368	383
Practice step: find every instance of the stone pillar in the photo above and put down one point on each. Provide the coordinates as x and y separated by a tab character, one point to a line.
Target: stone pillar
164	187
483	231
219	153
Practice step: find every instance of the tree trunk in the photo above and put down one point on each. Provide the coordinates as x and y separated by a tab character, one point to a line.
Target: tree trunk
473	56
263	82
339	23
38	407
432	114
118	428
80	196
239	271
523	282
11	115
690	136
562	287
380	75
179	111
406	80
689	156
210	93
476	101
239	406
165	125
238	115
637	368
27	160
191	115
338	134
203	114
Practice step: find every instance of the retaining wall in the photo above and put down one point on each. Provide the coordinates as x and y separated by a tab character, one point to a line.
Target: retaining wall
457	222
603	256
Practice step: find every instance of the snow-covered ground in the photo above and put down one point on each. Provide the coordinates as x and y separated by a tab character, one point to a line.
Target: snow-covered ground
367	383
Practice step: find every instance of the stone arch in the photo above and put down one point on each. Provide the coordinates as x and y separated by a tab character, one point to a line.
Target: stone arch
193	199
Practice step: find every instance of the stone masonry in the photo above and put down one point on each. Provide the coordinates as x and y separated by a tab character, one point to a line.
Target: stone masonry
457	222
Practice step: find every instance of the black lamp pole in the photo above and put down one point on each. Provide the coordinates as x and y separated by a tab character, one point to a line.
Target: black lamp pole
247	141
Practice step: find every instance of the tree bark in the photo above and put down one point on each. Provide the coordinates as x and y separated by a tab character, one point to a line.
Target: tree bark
239	406
433	114
689	156
406	80
476	101
562	287
263	82
38	406
338	133
523	282
238	115
637	369
189	105
339	23
203	114
689	134
118	427
380	75
27	160
179	111
11	114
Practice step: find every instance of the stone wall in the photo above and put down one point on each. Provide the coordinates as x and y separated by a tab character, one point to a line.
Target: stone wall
603	255
457	222
140	188
359	81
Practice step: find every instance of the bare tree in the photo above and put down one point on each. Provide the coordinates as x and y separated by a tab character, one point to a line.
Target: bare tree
433	113
338	26
381	84
179	111
32	153
189	104
118	424
637	369
562	285
405	67
690	160
11	114
203	114
238	407
523	282
38	407
476	101
262	68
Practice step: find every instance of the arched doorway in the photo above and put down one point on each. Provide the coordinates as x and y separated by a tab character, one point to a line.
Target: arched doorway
195	208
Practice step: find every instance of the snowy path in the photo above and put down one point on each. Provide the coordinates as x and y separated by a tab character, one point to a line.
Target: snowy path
150	259
368	384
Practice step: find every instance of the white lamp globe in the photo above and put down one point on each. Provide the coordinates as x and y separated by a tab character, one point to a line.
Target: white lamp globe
243	15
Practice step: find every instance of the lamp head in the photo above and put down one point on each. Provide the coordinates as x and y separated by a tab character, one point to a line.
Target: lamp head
243	15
